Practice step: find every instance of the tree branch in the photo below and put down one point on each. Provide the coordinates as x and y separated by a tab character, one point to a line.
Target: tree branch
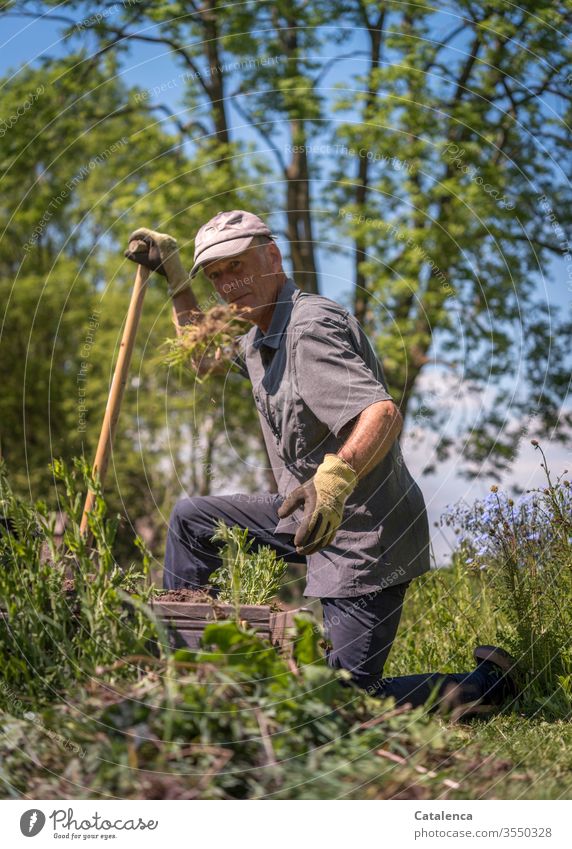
263	133
331	62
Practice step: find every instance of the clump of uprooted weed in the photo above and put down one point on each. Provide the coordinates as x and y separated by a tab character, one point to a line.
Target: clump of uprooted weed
64	609
209	343
524	548
244	576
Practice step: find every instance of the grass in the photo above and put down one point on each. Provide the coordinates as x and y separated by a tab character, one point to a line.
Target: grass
52	639
510	584
525	752
94	705
536	754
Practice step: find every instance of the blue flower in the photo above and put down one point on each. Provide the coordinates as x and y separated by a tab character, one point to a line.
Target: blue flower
491	522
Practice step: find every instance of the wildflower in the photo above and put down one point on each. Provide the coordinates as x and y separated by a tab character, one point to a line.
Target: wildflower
496	523
534	442
494	488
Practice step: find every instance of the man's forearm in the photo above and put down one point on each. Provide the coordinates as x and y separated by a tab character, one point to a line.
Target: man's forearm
185	309
375	431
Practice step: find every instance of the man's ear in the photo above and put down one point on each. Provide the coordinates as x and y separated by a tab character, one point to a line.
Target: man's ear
275	256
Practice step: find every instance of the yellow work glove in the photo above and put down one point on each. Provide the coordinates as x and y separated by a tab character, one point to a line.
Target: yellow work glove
323	498
159	252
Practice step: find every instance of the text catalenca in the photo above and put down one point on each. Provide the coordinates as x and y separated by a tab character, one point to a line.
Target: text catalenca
441	815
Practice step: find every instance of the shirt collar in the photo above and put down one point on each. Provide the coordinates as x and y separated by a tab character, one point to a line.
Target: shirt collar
279	320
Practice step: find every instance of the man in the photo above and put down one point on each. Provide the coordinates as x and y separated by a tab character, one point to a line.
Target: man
346	501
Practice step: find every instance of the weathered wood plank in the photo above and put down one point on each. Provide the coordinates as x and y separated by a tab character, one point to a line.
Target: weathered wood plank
206	611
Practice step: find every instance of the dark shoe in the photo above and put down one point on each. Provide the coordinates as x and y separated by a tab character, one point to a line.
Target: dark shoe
503	661
499	667
454	705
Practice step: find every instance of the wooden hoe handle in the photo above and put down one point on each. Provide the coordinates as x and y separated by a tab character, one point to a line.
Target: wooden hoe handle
105	444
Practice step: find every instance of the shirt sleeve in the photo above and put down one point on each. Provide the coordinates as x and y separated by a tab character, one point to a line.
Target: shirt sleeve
333	379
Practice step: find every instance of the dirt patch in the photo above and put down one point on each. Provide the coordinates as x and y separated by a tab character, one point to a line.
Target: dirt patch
198	596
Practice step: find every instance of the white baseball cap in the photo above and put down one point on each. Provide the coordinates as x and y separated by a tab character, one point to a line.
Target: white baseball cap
226	235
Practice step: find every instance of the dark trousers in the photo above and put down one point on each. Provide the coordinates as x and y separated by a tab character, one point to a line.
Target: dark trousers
360	631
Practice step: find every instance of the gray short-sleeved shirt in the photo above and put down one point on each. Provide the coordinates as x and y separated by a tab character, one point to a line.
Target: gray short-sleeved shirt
312	373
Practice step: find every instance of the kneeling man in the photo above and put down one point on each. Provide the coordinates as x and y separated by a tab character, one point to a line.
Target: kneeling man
345	501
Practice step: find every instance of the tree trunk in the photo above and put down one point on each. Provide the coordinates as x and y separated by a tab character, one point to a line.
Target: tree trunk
215	87
361	294
299	214
207	458
298	196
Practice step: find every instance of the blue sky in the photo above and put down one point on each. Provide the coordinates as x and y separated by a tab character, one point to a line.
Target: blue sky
24	41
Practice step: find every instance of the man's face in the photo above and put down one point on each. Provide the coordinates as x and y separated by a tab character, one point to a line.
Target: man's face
251	280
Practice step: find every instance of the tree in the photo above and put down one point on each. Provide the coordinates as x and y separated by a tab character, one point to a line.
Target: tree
452	188
75	182
460	173
208	41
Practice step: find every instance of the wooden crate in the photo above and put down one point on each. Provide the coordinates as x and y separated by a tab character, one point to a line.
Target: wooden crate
186	621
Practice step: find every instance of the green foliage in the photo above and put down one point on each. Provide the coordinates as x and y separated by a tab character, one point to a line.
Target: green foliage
96	714
511	584
531	582
246	577
54	635
450	186
65	286
234	722
452	196
441	142
447	612
307	641
214	723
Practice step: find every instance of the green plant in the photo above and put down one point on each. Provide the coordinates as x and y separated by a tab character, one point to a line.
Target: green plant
523	549
237	721
447	612
90	718
246	577
66	612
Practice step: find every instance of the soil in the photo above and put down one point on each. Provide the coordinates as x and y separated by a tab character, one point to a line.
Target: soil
185	595
198	596
68	586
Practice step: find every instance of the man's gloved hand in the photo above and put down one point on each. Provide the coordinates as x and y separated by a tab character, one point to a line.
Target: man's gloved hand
323	498
159	252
